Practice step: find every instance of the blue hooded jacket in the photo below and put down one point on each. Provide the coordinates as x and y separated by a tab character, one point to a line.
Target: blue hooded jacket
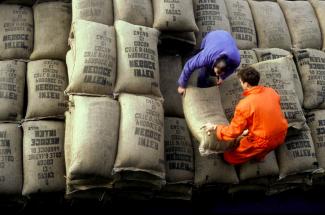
216	44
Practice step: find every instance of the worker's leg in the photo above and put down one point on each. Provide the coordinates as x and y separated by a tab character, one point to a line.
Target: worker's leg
244	152
253	149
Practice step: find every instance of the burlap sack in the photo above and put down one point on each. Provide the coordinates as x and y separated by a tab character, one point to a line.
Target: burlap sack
297	154
43	157
174	16
178	151
311	66
242	23
319	7
210	16
201	106
68	137
46	81
52	27
247	57
278	75
137	12
170	68
12	87
93	68
16	32
254	169
302	23
175	192
94	129
11	165
69	62
231	90
274	53
271	27
137	59
316	123
20	2
212	169
100	11
264	54
141	136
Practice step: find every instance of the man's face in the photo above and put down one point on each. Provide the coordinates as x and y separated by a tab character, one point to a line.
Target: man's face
219	68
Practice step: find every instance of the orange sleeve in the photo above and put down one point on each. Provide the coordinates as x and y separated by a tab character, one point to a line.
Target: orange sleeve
236	127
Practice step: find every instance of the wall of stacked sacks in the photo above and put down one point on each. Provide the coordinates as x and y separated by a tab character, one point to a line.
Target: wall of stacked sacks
89	104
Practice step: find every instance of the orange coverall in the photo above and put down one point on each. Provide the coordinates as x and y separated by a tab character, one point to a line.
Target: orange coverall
259	112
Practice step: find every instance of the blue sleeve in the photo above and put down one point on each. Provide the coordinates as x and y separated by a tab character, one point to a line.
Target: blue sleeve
197	61
202	78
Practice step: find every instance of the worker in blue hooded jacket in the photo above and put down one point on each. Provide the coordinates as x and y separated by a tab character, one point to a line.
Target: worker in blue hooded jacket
218	56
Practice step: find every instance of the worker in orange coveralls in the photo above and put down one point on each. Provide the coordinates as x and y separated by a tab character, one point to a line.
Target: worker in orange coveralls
260	113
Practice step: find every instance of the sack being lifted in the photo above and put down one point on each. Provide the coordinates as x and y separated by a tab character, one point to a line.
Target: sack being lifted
201	106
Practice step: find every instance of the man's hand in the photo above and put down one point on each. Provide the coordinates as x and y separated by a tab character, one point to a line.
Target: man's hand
209	127
219	81
181	90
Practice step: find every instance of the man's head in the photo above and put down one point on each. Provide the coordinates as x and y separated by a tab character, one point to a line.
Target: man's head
219	66
249	77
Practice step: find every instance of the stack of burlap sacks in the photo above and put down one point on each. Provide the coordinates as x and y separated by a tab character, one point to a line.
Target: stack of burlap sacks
128	132
33	48
115	122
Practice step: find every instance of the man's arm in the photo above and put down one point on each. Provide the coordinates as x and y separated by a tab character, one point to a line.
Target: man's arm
197	61
235	129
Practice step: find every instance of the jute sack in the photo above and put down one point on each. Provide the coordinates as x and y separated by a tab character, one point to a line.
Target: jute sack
52	27
311	66
137	59
137	12
69	61
46	81
264	54
178	151
175	192
302	23
297	154
141	136
242	23
43	157
231	90
278	75
94	128
271	27
68	137
100	11
170	68
20	2
12	87
212	169
16	32
255	169
11	165
274	53
201	106
210	16
316	123
174	16
319	7
93	68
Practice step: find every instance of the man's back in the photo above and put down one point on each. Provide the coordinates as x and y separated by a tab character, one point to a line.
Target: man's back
263	109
